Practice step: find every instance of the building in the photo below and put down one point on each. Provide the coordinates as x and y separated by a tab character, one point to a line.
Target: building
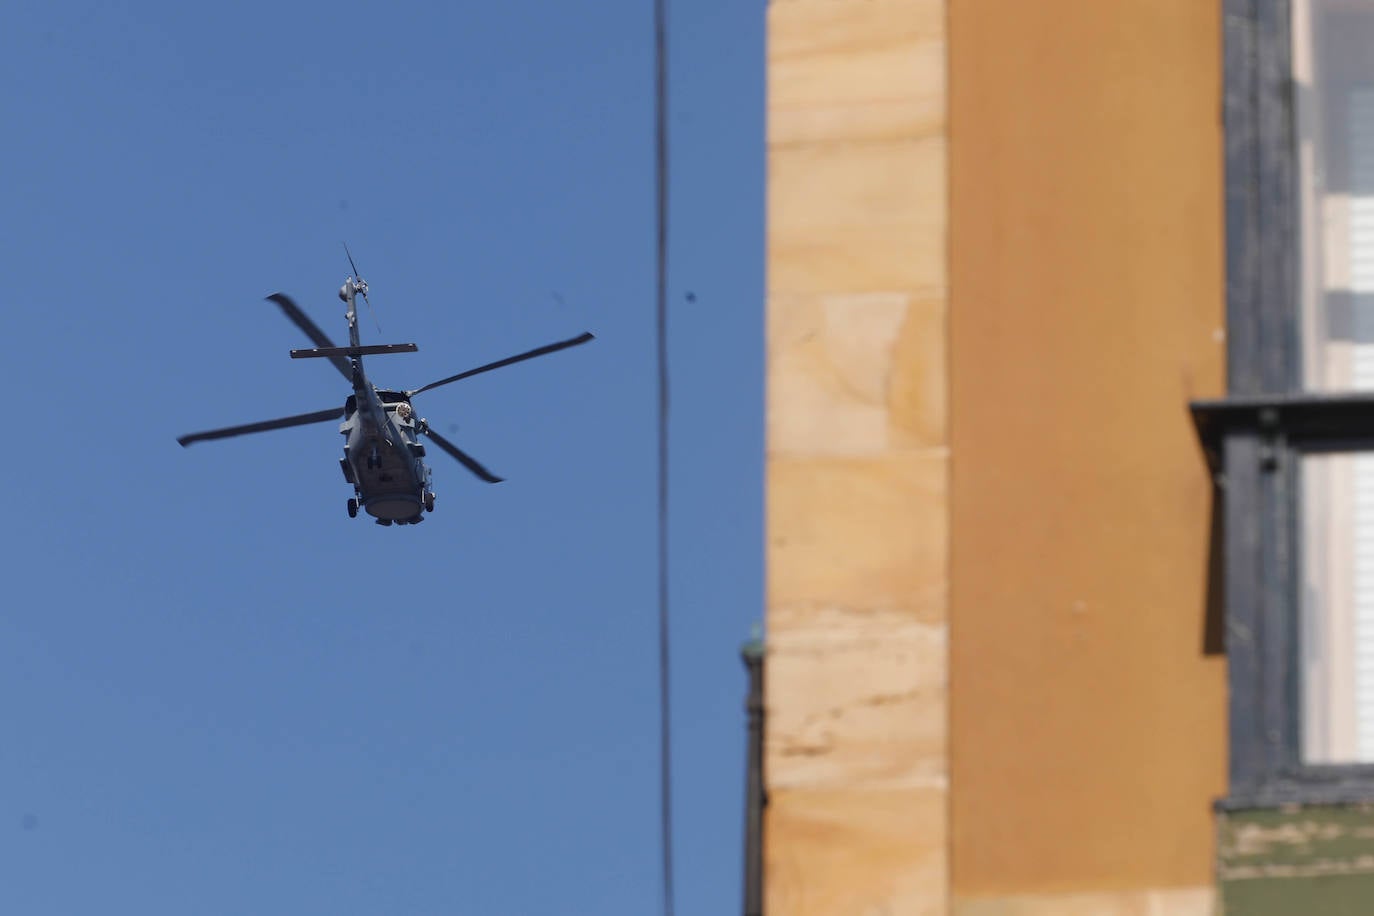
1071	552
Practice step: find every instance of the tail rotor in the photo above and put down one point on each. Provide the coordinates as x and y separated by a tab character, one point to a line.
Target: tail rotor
362	288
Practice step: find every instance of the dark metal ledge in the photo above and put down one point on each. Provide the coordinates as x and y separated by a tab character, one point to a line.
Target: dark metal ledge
1314	420
1354	790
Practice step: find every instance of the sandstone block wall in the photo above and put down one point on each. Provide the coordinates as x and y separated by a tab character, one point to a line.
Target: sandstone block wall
857	458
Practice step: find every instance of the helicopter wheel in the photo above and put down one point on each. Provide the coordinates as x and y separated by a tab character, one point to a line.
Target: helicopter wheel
429	502
352	508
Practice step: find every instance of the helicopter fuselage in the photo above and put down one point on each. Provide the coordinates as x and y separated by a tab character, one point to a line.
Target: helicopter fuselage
384	458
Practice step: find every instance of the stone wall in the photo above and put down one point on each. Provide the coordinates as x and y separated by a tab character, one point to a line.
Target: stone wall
857	458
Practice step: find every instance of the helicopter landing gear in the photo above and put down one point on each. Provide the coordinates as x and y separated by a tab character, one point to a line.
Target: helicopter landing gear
429	501
352	508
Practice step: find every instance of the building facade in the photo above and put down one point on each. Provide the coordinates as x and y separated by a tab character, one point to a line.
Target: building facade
1067	340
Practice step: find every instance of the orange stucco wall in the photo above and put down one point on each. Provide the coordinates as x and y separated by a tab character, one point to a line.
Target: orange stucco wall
1088	725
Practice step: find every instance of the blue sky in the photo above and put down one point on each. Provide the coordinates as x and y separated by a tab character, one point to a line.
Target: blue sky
218	693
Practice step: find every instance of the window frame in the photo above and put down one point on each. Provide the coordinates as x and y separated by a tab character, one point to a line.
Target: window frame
1257	436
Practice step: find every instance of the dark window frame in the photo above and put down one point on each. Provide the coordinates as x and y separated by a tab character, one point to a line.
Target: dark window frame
1256	437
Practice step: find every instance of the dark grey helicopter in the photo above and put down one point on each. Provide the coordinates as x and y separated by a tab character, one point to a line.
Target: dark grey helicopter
383	456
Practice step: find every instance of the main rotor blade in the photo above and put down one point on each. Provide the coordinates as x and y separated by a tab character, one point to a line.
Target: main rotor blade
463	457
319	416
539	351
312	330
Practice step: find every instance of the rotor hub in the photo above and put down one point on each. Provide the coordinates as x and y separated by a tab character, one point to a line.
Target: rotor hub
353	286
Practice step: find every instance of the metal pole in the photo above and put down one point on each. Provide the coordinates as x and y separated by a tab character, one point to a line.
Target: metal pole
661	185
755	797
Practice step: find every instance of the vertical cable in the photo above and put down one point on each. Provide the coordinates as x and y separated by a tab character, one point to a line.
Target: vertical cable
661	311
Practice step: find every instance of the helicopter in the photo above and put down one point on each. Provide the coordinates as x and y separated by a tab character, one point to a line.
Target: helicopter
383	456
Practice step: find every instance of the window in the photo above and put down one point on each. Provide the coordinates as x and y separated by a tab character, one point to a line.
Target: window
1333	112
1293	443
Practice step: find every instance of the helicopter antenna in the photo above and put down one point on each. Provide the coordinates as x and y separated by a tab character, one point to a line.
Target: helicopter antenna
362	288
